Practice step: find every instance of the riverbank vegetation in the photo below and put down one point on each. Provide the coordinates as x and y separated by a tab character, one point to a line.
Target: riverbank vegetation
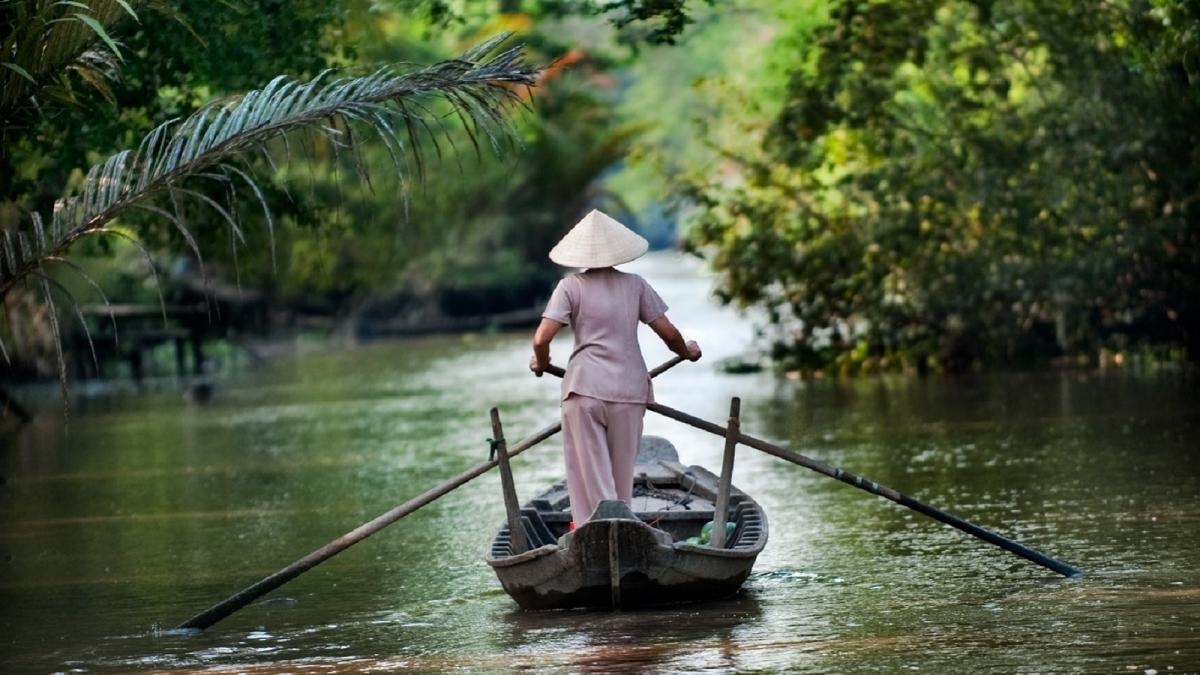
917	185
954	185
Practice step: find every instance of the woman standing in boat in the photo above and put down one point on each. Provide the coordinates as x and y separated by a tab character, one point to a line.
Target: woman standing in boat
606	386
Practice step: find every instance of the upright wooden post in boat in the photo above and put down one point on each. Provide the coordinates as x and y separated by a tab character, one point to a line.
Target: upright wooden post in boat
512	507
722	507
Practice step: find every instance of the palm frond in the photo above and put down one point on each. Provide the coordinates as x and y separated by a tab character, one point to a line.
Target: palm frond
478	89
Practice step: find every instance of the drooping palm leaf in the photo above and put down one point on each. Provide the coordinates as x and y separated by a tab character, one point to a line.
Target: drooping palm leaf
159	177
394	107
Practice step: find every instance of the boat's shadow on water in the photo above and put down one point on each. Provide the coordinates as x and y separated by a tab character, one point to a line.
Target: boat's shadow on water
694	636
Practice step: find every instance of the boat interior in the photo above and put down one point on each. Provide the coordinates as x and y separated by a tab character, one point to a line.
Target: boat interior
668	496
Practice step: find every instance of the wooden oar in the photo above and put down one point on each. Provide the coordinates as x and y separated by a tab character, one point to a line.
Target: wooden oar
242	598
874	488
654	372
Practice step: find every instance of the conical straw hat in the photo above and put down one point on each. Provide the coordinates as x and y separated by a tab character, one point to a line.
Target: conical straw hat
598	241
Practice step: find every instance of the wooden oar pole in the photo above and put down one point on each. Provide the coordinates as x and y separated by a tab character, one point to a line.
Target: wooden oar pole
872	487
512	506
666	365
654	372
721	508
247	595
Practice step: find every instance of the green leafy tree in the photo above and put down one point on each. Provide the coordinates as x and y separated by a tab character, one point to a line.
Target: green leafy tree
955	184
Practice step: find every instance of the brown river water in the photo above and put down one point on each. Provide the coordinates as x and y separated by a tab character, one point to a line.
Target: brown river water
146	509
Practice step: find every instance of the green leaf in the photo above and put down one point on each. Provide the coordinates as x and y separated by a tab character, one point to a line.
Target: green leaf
128	10
19	70
98	28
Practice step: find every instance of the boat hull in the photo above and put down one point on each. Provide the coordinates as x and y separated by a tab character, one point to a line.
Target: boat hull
620	563
618	559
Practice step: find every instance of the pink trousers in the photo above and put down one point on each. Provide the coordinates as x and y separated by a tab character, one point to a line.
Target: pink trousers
600	443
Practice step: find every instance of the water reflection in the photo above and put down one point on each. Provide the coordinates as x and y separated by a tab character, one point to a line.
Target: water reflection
683	639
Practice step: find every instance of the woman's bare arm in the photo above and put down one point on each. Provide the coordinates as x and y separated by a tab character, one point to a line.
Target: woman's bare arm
545	332
670	335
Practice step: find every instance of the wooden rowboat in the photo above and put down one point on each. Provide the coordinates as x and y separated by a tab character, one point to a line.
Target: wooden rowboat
627	558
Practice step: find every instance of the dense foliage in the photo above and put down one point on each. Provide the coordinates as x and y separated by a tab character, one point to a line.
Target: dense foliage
191	177
951	184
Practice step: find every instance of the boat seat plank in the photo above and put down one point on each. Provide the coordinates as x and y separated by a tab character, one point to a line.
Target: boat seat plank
536	532
656	471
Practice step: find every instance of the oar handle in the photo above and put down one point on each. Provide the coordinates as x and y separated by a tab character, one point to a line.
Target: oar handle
654	372
667	365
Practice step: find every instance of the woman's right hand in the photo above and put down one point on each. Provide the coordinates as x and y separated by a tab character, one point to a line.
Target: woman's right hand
693	351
